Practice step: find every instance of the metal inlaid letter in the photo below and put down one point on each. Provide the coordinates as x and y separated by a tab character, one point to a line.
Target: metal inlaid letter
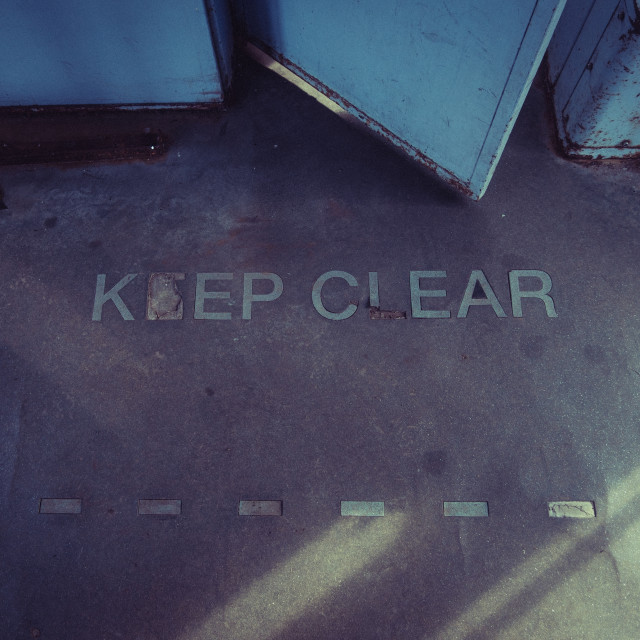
478	277
542	294
202	295
316	295
101	297
417	294
374	292
249	297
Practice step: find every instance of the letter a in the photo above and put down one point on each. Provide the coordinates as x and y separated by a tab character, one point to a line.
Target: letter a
478	277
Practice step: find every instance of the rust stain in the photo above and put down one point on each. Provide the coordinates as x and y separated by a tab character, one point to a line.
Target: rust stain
110	108
272	252
635	21
337	209
143	146
563	144
376	313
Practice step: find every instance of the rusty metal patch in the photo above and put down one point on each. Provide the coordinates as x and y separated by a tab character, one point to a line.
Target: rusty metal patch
164	301
376	313
572	509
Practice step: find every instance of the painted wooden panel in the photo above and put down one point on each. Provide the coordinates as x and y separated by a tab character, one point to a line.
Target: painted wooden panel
442	80
594	69
121	52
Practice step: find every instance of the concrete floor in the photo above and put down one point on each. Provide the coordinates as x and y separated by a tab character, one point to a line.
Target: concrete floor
290	405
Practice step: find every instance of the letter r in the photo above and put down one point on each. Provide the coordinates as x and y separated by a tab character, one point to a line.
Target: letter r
542	294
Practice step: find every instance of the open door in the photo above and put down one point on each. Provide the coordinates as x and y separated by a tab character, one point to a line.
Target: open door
444	81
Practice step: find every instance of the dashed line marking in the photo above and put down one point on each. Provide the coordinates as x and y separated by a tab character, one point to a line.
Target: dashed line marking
361	508
260	508
159	507
572	509
556	508
60	505
467	509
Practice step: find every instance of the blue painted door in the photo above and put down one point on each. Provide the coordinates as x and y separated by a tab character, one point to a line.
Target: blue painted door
442	80
121	52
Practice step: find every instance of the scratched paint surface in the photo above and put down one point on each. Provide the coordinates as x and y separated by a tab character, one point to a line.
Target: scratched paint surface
71	52
594	64
269	399
432	78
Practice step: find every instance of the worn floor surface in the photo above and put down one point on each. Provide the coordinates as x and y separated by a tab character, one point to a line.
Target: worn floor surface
293	405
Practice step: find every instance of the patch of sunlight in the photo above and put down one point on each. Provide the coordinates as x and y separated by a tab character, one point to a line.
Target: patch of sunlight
273	65
496	600
584	605
626	550
623	493
302	582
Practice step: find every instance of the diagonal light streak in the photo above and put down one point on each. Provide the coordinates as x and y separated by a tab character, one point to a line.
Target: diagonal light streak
496	600
300	584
